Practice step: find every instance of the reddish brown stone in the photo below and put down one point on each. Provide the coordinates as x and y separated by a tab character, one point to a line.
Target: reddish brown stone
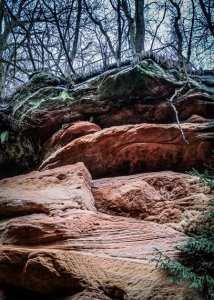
49	192
198	119
67	134
53	240
160	197
140	148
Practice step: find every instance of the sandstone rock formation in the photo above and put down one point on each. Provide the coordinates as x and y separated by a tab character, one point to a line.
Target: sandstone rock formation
54	241
127	95
93	294
120	96
132	149
64	236
47	192
68	133
163	197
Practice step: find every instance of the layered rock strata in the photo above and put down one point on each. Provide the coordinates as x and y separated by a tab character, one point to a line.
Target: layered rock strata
64	236
139	148
54	241
144	93
128	95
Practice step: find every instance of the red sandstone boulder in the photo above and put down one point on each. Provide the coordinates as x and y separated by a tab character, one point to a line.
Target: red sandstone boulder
83	249
54	241
67	134
49	192
163	197
140	148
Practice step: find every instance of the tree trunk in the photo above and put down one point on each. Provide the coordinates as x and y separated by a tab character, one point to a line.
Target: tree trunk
178	31
140	26
208	15
76	33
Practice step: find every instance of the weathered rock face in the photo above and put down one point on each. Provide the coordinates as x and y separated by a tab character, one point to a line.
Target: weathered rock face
54	241
67	134
64	235
138	148
125	95
49	192
148	81
163	197
143	93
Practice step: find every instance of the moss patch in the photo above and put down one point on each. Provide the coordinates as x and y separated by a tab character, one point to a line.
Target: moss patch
134	81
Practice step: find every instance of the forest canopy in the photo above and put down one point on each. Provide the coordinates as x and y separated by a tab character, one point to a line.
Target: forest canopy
63	37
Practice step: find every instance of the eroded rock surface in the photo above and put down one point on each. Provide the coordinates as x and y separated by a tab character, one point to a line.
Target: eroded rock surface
66	236
68	133
163	197
48	192
139	148
54	241
92	294
143	93
120	96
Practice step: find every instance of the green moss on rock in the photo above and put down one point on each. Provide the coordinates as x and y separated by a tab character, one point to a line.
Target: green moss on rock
135	81
44	78
43	100
37	82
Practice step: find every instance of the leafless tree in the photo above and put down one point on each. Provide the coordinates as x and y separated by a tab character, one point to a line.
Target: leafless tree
16	23
60	37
